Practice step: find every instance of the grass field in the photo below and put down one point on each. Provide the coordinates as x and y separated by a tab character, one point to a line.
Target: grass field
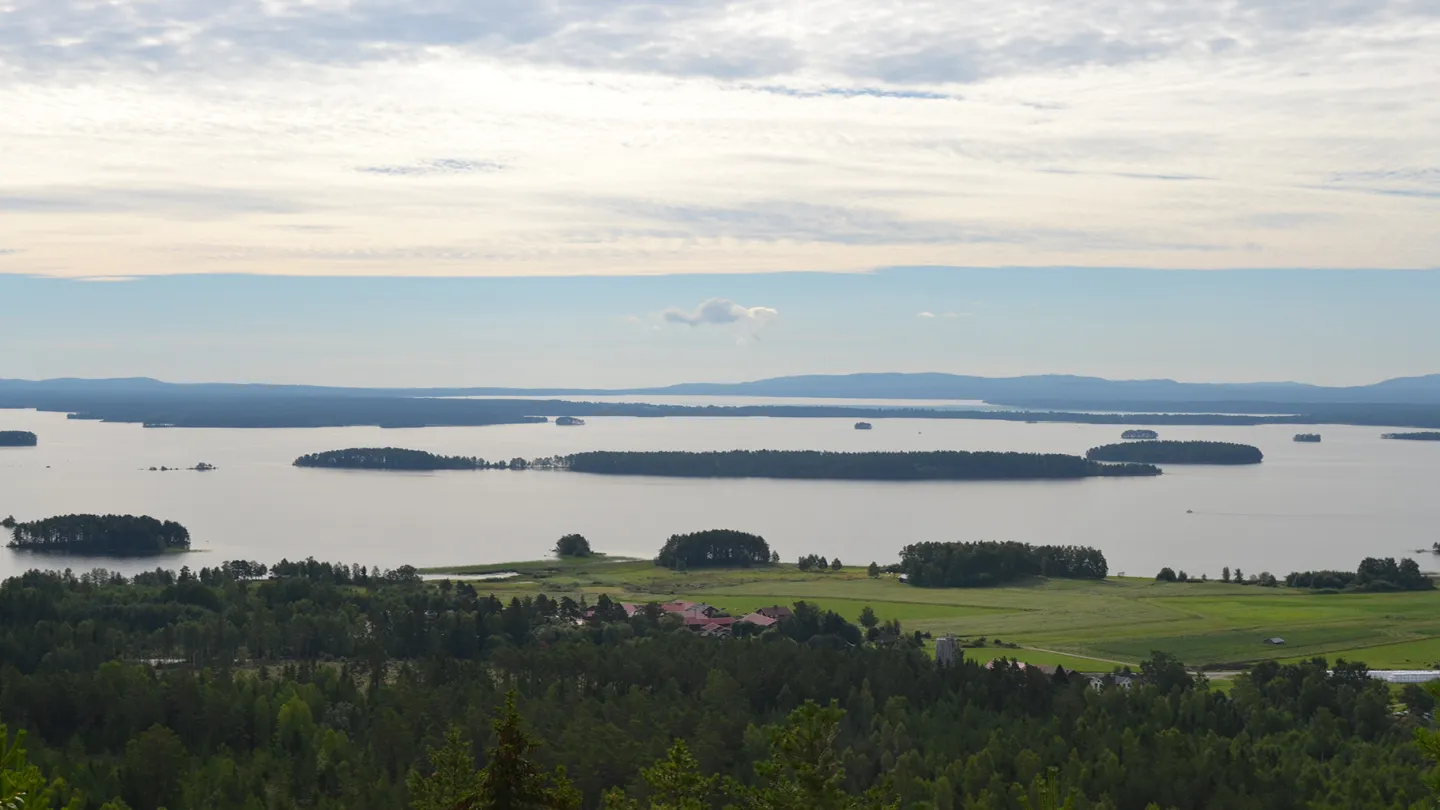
1079	624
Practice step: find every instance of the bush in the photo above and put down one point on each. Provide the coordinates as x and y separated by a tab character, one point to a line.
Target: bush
1165	575
572	545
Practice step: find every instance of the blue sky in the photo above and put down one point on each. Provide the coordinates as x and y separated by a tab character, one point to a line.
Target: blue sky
1337	327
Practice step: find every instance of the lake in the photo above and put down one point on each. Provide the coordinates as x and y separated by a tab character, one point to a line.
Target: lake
1307	506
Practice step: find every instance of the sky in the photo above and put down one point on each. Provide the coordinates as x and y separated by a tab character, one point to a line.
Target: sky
1333	327
700	189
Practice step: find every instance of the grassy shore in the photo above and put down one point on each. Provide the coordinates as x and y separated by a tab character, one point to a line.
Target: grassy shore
1081	624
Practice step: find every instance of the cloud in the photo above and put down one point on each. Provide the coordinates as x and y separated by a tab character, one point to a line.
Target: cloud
434	167
925	315
181	202
720	311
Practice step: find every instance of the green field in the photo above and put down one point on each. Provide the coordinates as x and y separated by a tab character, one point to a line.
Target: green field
1079	624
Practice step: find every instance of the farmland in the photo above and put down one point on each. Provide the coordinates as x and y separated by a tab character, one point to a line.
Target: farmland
1092	625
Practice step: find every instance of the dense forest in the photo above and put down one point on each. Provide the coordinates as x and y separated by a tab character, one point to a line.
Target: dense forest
969	565
1423	436
99	534
713	548
1374	574
18	438
329	687
1177	452
878	466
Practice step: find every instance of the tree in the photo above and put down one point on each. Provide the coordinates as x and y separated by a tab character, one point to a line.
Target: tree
868	619
453	779
836	565
572	545
510	780
675	783
1182	576
1166	574
805	769
1239	577
22	786
1225	574
873	570
774	558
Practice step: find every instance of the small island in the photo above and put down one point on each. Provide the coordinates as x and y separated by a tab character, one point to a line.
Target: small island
569	421
876	466
109	535
715	548
18	438
392	458
1423	436
1311	438
863	426
1139	434
1177	452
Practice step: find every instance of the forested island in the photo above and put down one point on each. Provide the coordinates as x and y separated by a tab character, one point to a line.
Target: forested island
107	535
392	458
972	565
1177	452
1422	436
18	438
1310	438
877	466
337	687
1139	434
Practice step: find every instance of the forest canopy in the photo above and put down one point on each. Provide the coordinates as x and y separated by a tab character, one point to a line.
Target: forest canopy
714	548
336	687
877	466
1177	452
971	565
18	438
100	534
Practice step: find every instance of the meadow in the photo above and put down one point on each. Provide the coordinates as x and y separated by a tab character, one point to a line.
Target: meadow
1086	625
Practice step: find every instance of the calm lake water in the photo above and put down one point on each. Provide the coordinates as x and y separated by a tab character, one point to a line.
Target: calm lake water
1306	506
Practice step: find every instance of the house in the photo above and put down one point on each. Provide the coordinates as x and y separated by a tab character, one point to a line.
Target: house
715	631
776	612
699	621
1276	640
759	620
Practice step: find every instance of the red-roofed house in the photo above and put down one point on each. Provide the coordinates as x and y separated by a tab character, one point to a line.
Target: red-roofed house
759	620
776	612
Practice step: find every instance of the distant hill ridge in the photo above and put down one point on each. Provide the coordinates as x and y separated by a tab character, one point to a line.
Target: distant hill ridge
1046	390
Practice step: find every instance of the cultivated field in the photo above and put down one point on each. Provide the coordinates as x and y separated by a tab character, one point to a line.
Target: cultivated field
1079	624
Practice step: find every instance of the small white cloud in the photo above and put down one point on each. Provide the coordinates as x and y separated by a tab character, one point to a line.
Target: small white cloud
721	311
925	315
633	319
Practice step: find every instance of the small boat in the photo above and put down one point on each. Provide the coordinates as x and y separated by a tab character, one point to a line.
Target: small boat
863	426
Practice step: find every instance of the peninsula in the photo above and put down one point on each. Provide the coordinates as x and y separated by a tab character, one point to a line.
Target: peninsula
1423	436
391	458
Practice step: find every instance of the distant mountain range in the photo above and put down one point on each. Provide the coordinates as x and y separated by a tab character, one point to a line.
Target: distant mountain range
1047	391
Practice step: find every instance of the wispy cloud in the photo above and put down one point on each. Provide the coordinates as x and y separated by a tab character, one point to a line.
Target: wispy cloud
435	167
719	312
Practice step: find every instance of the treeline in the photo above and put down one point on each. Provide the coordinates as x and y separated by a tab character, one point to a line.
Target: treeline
390	458
879	466
1374	574
99	534
972	565
714	548
18	438
295	692
1422	436
1177	452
